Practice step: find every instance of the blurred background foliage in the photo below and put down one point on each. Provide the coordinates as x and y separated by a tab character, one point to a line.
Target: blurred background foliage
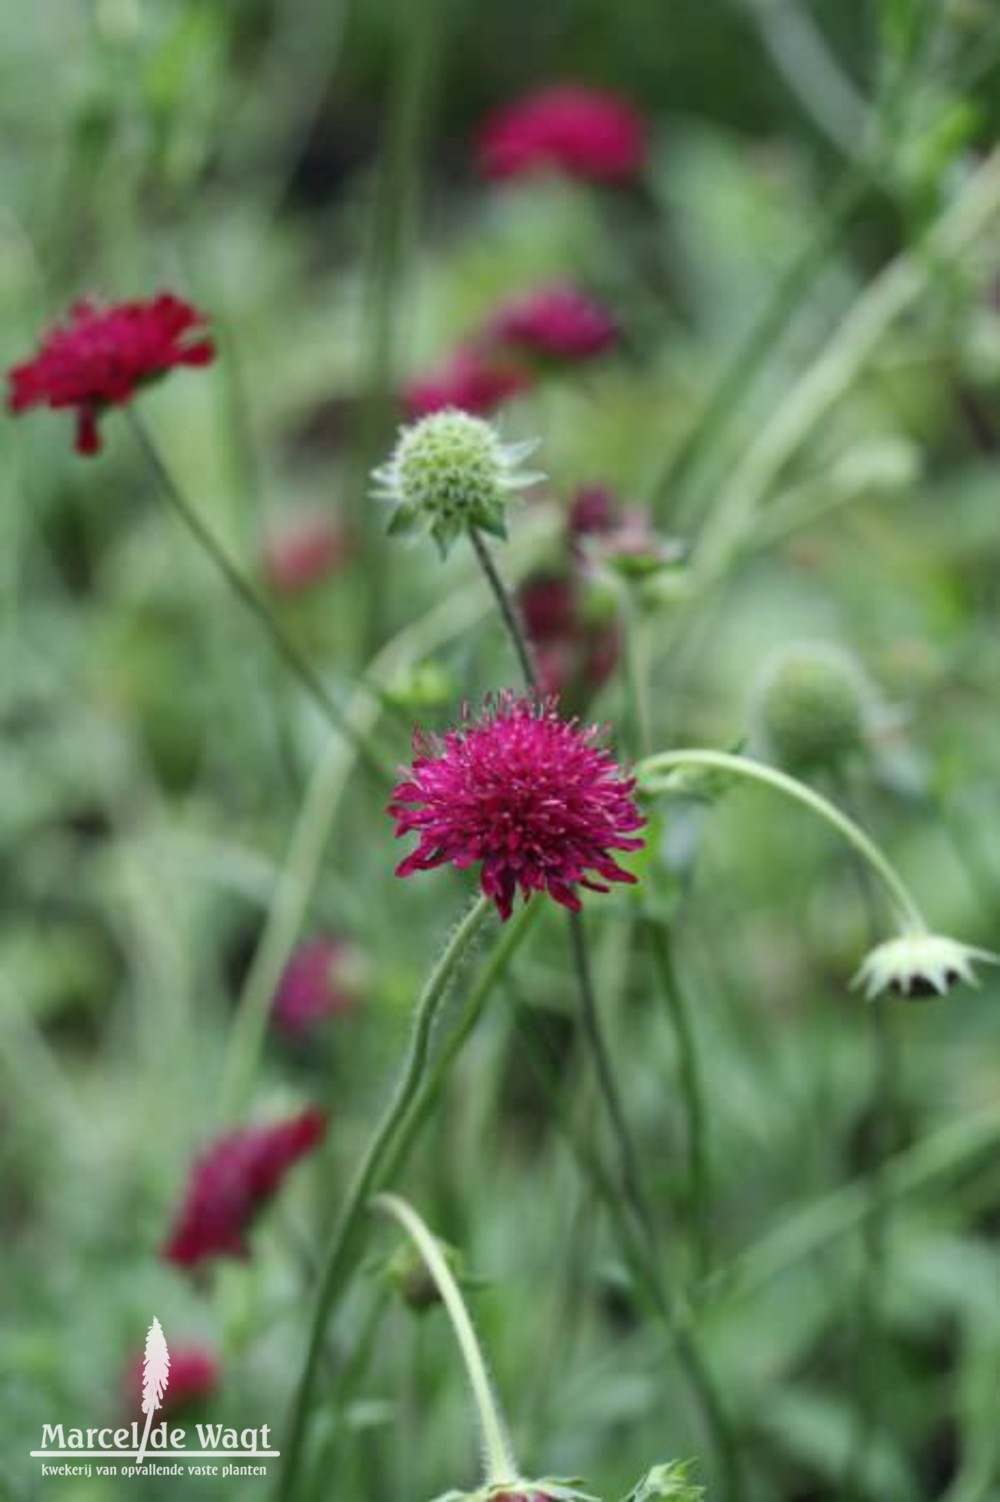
305	172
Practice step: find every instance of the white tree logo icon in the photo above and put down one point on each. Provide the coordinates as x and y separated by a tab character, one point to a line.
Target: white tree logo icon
155	1376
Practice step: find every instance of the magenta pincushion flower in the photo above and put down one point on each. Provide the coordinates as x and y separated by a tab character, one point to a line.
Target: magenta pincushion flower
582	132
233	1180
555	323
101	356
526	795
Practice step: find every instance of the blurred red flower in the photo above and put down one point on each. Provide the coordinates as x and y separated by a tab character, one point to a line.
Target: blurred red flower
318	983
585	133
558	322
101	356
307	548
232	1181
472	378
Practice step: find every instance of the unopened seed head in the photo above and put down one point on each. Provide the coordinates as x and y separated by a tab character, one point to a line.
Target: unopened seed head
812	707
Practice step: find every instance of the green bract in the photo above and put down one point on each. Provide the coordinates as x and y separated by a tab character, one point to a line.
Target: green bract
451	472
665	1482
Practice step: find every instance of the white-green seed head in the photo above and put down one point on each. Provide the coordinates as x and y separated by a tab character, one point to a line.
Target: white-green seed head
812	706
450	472
919	965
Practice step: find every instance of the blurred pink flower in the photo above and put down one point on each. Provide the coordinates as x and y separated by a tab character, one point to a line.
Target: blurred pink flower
231	1183
473	378
585	133
307	548
526	795
319	982
101	356
574	656
558	322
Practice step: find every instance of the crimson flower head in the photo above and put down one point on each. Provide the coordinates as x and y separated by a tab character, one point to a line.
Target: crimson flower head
555	323
472	379
194	1376
584	133
100	357
319	981
529	797
232	1181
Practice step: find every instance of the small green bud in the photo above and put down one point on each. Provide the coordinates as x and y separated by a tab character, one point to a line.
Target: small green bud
450	472
411	1277
812	708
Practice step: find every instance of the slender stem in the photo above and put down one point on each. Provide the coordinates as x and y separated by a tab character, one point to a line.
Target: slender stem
343	1243
666	1305
651	781
507	607
245	592
492	973
690	1080
631	1181
501	1467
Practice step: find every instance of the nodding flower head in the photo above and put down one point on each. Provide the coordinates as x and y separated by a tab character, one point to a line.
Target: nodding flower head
450	472
546	1490
525	795
100	357
920	965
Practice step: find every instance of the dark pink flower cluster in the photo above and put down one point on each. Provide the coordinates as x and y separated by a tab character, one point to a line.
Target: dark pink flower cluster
585	133
527	796
101	356
316	984
559	324
194	1376
307	549
232	1182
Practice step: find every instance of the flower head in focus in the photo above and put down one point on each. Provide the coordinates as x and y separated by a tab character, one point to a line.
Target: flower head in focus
451	472
584	133
527	796
232	1181
100	357
919	965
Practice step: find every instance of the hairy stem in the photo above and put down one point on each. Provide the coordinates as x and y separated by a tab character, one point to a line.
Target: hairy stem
501	1467
653	779
343	1244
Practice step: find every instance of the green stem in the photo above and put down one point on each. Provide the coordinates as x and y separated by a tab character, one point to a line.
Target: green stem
690	1081
342	1248
248	596
651	781
501	1467
492	973
508	609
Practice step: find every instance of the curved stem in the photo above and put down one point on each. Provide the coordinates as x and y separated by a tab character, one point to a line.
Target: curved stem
651	781
342	1247
508	609
245	592
501	1467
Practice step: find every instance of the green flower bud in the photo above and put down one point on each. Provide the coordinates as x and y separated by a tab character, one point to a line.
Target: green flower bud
450	472
410	1276
812	708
